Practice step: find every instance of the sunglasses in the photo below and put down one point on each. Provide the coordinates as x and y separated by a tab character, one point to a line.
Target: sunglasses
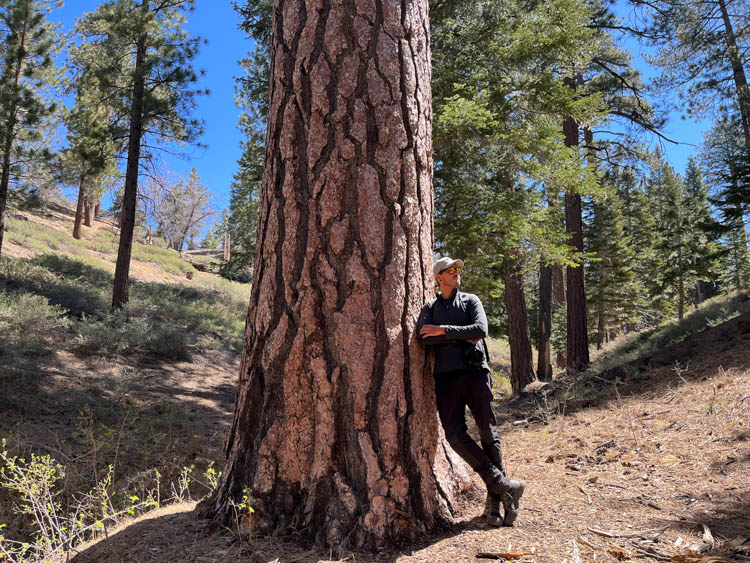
452	270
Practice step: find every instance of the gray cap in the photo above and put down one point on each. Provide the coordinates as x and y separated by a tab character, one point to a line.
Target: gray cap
446	262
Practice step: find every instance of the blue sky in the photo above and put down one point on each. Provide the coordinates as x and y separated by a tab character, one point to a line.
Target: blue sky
217	22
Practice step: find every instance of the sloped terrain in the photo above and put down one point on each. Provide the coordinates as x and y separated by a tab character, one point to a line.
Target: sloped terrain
644	461
654	466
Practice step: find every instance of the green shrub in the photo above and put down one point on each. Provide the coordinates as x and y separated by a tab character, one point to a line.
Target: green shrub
25	316
120	333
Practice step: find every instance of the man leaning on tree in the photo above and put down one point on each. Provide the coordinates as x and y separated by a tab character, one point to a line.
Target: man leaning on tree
454	325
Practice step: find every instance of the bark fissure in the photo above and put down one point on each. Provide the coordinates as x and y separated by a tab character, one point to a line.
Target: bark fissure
334	391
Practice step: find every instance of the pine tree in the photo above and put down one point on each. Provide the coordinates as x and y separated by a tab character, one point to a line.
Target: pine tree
334	428
143	64
250	96
702	238
703	49
498	102
26	51
726	163
610	273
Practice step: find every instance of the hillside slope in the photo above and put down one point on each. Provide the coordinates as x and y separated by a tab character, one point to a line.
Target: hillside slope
645	461
655	468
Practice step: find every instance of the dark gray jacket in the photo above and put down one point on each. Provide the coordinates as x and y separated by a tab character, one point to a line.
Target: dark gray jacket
463	317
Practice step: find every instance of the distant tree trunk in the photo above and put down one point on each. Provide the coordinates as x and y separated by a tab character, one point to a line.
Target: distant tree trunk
79	209
544	331
10	120
577	330
335	429
680	284
97	208
558	293
89	213
120	293
519	338
738	72
227	247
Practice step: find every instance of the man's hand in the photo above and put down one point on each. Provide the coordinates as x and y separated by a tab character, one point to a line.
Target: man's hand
431	330
473	341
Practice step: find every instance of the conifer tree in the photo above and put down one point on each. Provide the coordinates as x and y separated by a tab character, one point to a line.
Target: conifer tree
27	41
251	97
727	170
498	102
143	63
702	235
703	49
641	228
611	279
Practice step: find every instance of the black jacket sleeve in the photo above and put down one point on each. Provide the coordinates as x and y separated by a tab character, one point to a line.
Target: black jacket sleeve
474	331
425	318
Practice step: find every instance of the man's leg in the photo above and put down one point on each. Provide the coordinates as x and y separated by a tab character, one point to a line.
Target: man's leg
479	399
451	405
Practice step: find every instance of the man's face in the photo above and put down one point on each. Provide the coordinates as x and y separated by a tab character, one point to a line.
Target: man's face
450	277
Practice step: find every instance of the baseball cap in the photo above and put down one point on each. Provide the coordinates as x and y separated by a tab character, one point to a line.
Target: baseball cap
445	262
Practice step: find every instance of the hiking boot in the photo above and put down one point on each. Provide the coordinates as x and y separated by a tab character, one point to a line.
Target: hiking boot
492	511
510	498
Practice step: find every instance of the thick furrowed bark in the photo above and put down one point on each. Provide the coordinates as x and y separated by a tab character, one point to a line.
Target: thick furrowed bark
335	428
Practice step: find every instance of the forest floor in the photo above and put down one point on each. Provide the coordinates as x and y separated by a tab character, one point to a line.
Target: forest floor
655	468
645	461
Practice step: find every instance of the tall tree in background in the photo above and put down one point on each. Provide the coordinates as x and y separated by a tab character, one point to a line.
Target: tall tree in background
335	429
499	100
27	40
144	67
727	167
577	349
92	151
703	49
611	280
702	242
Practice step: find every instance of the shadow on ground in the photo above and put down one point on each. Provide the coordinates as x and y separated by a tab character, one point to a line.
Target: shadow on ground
181	536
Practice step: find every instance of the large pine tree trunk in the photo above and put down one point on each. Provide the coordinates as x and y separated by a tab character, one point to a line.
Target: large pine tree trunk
577	351
120	293
79	208
335	429
519	338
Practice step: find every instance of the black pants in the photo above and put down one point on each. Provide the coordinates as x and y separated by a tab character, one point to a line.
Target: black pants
454	392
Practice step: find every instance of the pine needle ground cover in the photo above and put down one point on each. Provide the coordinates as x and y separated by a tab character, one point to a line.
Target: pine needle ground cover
648	462
655	471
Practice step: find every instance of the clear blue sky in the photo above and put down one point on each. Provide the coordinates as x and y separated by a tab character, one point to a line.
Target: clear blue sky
216	21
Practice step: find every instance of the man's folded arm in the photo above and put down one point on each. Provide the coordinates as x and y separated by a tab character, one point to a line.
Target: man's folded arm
474	331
